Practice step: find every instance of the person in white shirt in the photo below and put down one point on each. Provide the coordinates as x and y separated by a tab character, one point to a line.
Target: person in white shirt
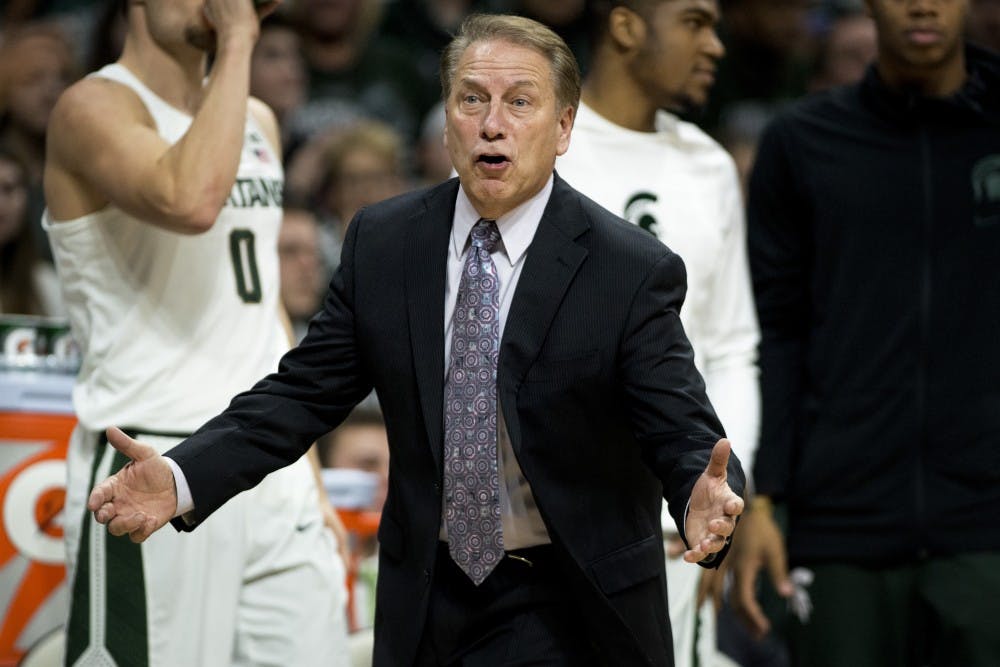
164	189
632	154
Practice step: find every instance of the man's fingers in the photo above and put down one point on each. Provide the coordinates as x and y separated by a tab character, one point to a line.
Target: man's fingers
123	525
712	544
101	494
131	448
724	526
693	556
746	601
755	618
145	529
720	459
105	513
777	567
708	545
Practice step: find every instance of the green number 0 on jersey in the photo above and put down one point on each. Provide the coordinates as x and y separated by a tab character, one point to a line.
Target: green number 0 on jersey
241	248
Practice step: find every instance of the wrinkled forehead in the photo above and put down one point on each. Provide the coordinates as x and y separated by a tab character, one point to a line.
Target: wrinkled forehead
502	58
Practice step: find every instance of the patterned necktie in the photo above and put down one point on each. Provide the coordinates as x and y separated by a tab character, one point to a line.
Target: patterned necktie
471	479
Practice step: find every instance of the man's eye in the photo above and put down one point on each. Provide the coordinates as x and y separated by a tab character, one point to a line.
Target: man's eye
520	102
471	99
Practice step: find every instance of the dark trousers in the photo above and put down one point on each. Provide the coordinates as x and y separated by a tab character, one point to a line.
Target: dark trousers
521	615
941	612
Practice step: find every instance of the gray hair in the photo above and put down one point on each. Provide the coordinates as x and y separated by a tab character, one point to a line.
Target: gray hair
522	32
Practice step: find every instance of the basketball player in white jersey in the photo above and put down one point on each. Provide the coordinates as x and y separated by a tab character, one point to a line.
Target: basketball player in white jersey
631	153
164	203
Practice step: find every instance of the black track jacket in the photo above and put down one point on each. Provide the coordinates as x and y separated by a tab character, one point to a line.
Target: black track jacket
874	234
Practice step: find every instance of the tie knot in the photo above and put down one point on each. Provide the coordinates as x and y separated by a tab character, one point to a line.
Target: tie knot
485	235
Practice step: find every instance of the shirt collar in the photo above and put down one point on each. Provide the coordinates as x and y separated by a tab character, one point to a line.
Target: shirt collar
517	227
664	123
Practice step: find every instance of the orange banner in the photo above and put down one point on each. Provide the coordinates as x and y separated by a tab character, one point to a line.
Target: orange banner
32	495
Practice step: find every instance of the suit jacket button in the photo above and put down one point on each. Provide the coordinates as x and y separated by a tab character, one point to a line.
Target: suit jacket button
437	488
427	577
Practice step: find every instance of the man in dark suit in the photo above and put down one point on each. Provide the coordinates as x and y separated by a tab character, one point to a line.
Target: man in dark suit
539	393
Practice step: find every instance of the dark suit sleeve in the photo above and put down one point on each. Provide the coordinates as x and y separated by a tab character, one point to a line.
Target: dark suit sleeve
673	420
275	422
780	256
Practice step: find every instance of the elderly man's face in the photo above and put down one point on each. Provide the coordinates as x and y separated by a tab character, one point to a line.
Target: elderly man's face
503	129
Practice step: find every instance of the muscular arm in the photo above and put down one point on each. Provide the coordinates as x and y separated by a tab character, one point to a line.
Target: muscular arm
103	147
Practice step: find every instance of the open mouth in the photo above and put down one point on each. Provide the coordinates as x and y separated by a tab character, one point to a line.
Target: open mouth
493	160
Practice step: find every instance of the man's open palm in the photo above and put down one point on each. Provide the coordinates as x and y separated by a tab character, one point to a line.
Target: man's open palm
712	512
139	498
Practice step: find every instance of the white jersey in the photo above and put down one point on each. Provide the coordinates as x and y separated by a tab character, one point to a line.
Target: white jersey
681	186
172	326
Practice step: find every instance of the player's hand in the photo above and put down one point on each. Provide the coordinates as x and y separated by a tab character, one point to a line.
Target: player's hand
712	511
761	545
241	17
138	499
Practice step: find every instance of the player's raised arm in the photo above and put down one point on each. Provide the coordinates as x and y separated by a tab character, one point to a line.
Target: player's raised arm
104	147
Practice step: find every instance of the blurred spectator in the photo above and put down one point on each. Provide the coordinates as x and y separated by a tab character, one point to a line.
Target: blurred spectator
342	171
36	65
278	71
767	56
568	18
874	237
18	11
107	38
740	132
433	161
360	443
301	267
355	73
983	24
28	285
424	27
845	51
74	18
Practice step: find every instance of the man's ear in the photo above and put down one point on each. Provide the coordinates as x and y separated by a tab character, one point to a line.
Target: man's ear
626	28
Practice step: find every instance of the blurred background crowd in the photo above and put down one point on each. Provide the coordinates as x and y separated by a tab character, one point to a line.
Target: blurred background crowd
355	86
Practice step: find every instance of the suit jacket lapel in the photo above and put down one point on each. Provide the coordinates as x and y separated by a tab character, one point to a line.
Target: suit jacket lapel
426	272
553	259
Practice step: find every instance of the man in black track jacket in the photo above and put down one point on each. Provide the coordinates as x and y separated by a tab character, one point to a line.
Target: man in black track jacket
874	232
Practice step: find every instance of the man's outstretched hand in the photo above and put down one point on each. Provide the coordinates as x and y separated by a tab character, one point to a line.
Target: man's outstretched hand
712	511
138	499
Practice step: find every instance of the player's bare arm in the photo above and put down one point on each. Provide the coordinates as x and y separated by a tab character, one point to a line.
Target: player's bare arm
104	148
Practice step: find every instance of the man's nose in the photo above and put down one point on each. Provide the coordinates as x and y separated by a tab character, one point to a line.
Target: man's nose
494	121
922	7
714	47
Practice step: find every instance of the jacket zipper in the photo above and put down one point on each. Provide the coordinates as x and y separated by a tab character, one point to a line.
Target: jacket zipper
920	503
